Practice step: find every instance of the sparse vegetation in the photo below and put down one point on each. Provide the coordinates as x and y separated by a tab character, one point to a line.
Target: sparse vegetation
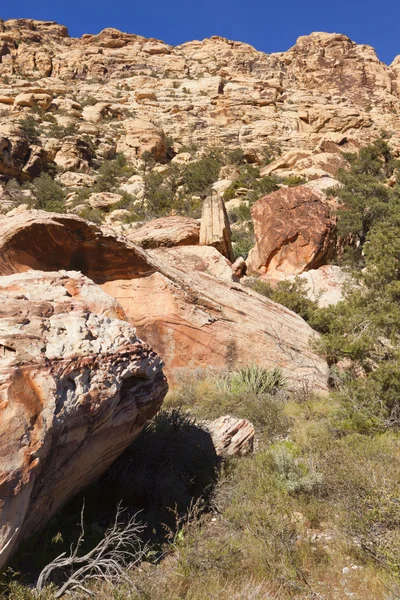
29	126
251	181
199	175
109	173
310	510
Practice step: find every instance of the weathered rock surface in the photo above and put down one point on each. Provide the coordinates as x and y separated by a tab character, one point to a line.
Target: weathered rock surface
203	259
76	387
167	232
232	436
142	136
325	285
104	200
190	317
215	229
323	95
294	233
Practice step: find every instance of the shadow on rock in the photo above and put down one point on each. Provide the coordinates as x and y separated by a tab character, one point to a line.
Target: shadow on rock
171	466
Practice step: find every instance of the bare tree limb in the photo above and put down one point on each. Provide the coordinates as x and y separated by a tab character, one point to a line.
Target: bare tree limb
120	549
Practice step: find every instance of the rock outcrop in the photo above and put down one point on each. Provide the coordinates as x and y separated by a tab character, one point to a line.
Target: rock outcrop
190	317
76	387
294	232
324	95
190	259
215	229
142	136
167	232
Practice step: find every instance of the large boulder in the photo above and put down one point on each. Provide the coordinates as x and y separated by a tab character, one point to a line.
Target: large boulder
76	387
326	284
294	232
204	259
74	154
189	316
142	136
14	150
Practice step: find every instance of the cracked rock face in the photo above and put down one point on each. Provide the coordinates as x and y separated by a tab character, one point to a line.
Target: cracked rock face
76	387
294	233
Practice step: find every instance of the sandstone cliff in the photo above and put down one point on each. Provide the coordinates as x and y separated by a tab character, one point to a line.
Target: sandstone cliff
127	93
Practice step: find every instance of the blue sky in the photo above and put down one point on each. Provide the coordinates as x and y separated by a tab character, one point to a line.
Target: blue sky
269	25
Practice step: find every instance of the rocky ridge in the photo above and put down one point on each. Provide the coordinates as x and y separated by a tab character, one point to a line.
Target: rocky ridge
125	93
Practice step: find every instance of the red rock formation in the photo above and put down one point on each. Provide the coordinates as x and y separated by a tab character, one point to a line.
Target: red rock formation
190	317
189	259
294	232
76	387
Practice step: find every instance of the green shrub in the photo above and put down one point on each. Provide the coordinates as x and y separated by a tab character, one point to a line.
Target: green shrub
250	178
293	472
30	126
49	194
60	131
294	180
92	214
250	392
243	240
199	175
253	379
110	171
240	214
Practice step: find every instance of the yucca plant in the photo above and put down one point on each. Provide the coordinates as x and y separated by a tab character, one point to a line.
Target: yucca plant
256	380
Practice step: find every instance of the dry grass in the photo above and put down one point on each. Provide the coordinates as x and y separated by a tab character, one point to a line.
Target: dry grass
314	514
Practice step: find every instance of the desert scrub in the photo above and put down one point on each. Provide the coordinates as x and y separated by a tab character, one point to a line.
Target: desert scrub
251	180
199	175
282	523
110	172
49	194
255	380
29	125
293	181
250	392
243	239
94	215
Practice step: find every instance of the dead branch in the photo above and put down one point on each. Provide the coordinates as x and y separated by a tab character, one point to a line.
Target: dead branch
119	550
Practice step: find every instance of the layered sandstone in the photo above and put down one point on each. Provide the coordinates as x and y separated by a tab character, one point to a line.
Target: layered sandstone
232	436
215	229
188	315
130	94
167	232
77	386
